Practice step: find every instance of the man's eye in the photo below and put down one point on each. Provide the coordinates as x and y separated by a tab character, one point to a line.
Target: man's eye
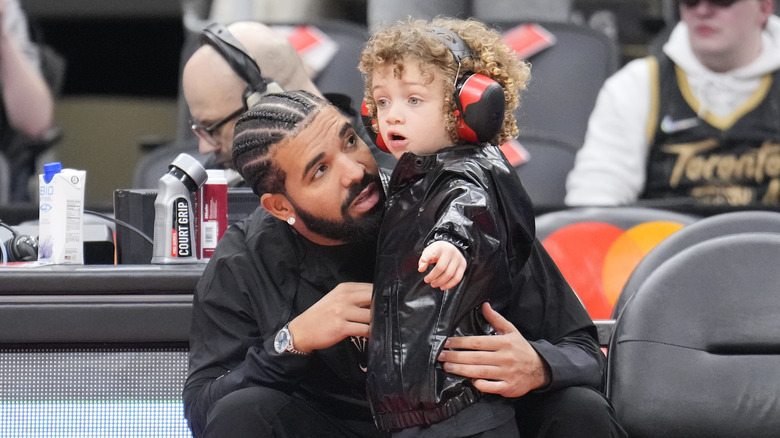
352	140
319	171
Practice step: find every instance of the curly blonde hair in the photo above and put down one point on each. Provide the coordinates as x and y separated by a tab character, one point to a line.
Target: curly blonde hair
413	40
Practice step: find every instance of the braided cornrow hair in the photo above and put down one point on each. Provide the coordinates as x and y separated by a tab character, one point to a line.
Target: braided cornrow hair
265	125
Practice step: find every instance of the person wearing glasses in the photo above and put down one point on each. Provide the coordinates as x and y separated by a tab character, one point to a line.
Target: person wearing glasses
215	93
699	124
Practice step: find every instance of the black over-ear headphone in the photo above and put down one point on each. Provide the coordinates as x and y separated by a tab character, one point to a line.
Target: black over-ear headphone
217	36
479	100
20	247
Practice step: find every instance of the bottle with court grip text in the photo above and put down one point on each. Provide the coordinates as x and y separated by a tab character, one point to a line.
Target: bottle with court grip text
175	217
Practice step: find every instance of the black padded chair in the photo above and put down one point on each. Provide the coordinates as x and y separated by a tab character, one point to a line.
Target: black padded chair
154	164
341	74
5	180
704	229
565	81
544	173
696	352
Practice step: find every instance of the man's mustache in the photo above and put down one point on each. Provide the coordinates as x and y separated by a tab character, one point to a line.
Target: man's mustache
358	187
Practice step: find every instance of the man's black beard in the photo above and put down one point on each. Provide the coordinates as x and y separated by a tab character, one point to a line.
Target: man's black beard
353	230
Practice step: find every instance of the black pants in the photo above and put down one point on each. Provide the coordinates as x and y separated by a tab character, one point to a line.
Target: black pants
574	412
264	412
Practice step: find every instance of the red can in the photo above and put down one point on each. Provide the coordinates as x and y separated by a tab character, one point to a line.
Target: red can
212	212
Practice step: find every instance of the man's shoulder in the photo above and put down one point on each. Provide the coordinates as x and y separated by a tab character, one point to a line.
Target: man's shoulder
249	233
259	224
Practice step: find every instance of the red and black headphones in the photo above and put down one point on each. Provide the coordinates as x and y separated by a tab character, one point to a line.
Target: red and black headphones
479	100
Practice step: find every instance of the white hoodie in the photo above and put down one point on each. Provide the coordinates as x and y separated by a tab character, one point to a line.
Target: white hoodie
610	167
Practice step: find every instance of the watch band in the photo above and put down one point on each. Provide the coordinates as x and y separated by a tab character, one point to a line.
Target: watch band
284	342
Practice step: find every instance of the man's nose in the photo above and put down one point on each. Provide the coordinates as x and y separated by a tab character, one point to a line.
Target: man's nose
205	147
351	171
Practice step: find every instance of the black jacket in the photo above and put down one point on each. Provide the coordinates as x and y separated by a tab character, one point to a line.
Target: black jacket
470	196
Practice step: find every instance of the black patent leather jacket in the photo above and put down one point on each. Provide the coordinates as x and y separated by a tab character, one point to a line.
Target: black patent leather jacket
470	196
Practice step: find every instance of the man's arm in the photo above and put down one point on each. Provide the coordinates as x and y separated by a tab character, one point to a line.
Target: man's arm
509	365
231	339
26	96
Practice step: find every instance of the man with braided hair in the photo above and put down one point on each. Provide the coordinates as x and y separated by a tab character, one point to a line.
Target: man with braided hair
281	315
301	266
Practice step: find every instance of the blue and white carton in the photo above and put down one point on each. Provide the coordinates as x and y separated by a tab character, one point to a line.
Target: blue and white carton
61	215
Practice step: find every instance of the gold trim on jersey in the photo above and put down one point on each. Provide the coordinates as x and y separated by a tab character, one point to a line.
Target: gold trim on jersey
655	99
723	123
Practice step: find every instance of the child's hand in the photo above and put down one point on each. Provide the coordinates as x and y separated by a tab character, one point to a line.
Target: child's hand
449	265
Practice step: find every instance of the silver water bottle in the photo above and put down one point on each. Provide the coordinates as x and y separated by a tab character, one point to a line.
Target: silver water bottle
174	212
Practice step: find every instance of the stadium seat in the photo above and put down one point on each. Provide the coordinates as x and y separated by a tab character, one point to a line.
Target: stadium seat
696	351
154	164
703	229
565	80
596	248
543	172
5	180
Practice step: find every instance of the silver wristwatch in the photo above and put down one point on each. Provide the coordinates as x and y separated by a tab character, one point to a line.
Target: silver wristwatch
284	341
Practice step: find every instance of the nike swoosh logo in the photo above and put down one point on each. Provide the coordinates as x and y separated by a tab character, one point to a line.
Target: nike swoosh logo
670	126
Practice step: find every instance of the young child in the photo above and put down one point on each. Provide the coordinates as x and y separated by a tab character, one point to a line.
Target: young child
440	95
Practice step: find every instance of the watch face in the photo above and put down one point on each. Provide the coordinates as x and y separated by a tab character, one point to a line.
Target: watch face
281	341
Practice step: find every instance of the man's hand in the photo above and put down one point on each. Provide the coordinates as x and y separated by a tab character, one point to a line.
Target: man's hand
342	312
450	264
503	364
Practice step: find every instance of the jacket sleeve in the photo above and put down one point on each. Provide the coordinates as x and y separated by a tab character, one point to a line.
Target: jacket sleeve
552	318
470	216
575	360
230	348
455	205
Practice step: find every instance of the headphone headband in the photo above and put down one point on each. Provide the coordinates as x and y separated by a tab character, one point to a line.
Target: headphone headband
479	99
217	36
460	50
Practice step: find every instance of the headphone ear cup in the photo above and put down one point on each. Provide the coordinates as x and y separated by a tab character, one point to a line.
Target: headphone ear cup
481	104
373	132
22	248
